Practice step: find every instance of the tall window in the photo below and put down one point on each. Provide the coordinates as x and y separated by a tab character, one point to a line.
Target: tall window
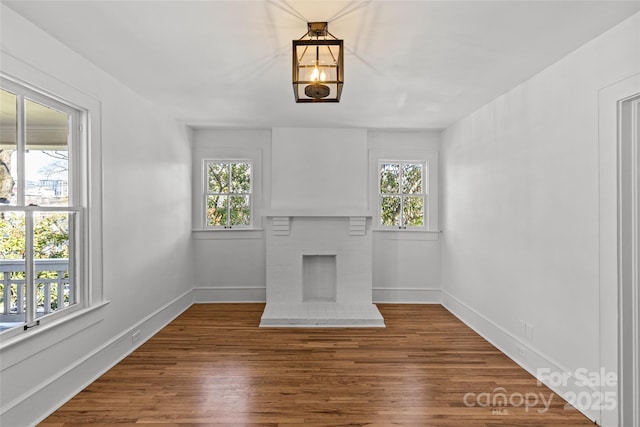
228	193
402	194
40	210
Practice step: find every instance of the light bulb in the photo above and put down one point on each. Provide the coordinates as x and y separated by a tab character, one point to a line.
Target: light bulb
323	76
314	74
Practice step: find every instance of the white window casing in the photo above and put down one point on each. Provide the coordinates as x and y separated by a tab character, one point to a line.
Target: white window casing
83	209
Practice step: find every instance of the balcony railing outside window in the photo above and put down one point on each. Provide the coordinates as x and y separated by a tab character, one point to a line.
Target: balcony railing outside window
53	289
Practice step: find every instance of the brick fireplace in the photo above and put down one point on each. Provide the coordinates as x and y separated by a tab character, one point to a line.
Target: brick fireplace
319	272
319	247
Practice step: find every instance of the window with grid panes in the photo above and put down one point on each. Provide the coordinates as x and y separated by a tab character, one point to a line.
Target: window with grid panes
228	197
402	194
40	209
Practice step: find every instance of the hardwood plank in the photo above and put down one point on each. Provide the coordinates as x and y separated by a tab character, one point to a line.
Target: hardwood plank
214	366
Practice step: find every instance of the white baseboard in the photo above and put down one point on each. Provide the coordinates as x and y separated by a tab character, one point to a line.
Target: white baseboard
520	352
43	399
406	295
220	294
229	294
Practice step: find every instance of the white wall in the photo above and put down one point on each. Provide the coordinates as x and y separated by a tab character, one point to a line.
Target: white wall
520	209
230	265
316	169
146	244
406	263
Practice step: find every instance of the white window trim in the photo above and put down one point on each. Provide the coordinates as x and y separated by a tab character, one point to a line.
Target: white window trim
215	152
87	196
430	159
205	194
424	194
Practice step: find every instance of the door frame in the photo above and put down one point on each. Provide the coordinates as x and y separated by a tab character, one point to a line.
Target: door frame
618	206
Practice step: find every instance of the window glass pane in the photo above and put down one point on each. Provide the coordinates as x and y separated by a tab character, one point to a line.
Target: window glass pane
51	255
218	177
47	155
389	178
240	210
8	145
390	210
229	198
240	178
12	291
216	210
413	211
411	178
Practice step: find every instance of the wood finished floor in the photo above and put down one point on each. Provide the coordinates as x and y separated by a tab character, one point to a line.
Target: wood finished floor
214	366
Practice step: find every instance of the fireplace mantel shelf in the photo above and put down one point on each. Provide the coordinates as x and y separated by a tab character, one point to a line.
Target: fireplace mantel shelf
325	213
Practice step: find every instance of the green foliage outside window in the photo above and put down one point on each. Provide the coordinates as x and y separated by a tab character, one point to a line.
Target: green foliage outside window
402	197
228	194
50	241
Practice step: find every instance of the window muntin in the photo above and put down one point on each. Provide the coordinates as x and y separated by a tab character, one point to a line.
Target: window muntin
46	155
402	194
8	144
228	198
39	217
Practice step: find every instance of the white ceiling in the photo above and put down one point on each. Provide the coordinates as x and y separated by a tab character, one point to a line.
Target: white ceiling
408	64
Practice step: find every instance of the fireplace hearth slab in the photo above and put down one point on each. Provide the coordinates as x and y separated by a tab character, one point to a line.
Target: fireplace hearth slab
321	315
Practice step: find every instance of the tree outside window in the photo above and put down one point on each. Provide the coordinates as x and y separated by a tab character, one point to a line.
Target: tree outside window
402	194
228	198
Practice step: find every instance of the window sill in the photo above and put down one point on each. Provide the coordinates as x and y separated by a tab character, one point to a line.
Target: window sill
235	233
404	234
408	230
46	328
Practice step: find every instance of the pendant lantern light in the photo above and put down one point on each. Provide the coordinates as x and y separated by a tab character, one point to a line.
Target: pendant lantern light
318	65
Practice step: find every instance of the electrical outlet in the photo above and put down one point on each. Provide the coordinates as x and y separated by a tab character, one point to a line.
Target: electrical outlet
135	337
526	330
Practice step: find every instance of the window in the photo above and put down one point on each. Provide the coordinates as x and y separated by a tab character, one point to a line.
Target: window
228	193
40	208
402	194
217	203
